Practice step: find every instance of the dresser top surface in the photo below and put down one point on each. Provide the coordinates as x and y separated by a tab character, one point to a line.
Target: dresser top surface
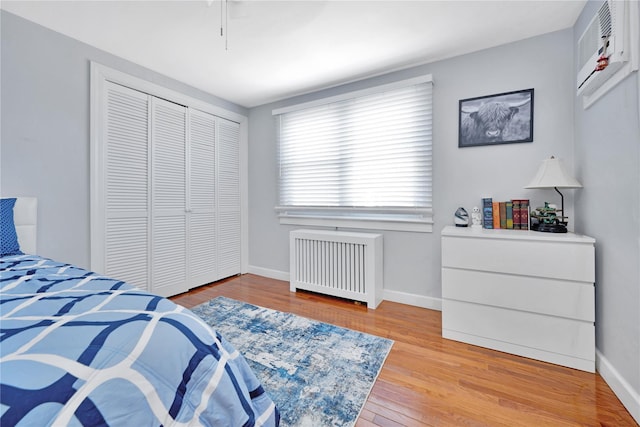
479	232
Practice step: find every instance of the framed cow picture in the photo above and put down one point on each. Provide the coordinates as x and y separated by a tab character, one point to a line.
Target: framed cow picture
503	118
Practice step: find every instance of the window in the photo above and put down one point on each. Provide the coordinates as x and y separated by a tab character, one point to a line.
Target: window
363	156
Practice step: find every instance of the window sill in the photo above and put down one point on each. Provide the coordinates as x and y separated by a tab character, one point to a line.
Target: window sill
418	226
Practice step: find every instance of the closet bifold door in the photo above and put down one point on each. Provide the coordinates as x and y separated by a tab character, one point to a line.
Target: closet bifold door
168	198
201	202
228	187
124	185
165	182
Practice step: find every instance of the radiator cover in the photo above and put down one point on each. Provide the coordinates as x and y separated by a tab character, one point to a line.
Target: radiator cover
338	263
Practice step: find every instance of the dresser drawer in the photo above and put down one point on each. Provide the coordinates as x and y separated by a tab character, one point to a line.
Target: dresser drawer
554	260
529	331
570	299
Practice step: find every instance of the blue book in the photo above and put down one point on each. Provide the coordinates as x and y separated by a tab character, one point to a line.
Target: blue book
487	212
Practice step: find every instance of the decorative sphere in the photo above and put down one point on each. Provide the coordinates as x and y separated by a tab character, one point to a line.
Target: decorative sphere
461	218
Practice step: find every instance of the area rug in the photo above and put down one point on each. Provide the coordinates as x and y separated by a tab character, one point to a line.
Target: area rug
318	374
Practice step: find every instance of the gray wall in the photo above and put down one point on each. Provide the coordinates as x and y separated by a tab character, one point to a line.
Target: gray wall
45	128
607	156
461	176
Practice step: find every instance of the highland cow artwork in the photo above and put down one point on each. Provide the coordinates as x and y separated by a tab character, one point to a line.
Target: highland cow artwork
496	119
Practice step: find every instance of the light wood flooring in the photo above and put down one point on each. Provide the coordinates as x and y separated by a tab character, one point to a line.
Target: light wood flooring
431	381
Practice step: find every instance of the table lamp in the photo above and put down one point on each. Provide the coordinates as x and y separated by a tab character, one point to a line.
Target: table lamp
552	174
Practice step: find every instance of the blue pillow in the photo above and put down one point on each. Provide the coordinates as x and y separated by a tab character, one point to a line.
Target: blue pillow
8	237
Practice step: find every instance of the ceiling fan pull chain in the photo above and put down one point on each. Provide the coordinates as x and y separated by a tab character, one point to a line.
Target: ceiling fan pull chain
226	24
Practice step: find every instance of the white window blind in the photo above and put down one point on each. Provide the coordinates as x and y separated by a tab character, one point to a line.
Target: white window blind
365	156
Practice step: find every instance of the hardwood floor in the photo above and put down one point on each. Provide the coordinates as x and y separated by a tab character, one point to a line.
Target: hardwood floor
431	381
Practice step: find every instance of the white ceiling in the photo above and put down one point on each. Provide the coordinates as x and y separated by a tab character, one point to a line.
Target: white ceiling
278	49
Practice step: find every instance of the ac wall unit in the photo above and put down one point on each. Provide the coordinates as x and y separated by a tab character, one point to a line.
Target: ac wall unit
607	34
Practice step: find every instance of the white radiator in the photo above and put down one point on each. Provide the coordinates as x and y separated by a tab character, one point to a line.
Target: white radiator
342	264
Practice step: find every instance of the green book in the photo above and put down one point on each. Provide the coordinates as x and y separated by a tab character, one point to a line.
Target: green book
509	215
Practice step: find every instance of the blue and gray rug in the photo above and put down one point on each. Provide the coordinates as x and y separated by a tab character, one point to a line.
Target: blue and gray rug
318	374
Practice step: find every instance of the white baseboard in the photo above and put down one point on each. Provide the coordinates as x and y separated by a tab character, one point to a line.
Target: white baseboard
412	299
267	272
388	295
629	397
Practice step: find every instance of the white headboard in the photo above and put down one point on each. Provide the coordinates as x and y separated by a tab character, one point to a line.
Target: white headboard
25	216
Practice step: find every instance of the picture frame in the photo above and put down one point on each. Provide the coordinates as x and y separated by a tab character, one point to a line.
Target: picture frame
503	118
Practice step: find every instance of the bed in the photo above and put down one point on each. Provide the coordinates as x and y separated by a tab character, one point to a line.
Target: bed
78	348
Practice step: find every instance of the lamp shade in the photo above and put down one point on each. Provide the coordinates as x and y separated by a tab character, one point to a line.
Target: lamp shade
552	173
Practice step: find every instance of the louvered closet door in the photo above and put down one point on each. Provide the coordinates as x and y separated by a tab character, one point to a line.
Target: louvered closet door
202	198
126	167
168	219
228	198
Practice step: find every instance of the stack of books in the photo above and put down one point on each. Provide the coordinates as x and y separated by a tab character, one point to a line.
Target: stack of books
511	214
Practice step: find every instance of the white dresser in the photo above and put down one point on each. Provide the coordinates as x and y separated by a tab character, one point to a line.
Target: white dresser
521	292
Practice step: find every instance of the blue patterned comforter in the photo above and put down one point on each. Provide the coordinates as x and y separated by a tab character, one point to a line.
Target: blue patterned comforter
77	349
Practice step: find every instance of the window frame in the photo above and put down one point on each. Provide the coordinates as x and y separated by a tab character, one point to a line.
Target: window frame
382	218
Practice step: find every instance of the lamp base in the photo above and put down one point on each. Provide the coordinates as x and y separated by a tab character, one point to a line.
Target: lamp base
549	228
